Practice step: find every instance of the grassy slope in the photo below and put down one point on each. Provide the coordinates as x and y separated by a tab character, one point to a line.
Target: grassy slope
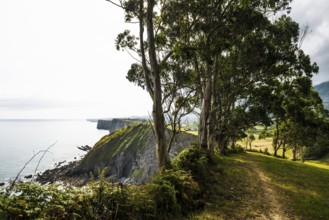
133	137
302	189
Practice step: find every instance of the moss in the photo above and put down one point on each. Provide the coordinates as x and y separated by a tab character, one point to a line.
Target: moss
133	138
138	172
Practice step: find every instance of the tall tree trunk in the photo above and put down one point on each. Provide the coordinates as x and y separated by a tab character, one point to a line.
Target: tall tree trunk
157	113
211	135
146	70
222	144
213	124
205	111
275	152
276	143
294	154
284	149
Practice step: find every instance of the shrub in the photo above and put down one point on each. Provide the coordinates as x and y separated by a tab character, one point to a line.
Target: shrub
33	201
174	192
236	150
171	193
194	160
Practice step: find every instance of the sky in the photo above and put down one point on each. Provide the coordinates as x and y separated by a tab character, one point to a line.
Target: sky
58	58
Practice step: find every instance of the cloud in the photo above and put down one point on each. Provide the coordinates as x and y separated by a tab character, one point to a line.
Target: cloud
315	14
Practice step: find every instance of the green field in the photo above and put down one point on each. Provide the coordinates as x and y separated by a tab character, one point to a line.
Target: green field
264	144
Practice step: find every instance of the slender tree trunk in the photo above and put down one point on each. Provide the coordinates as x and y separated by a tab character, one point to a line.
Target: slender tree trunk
275	152
146	70
211	136
294	154
213	125
205	110
302	154
233	143
276	143
284	149
221	141
157	113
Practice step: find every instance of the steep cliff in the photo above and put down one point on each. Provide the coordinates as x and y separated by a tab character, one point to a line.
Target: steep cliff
116	123
129	153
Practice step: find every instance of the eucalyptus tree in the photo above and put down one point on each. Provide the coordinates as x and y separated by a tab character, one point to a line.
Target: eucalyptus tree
147	71
214	32
247	69
163	76
305	116
224	55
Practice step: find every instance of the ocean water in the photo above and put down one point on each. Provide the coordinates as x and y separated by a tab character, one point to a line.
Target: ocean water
21	139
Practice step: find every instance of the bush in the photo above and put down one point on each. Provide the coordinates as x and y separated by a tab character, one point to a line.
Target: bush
266	152
194	160
236	150
33	201
174	192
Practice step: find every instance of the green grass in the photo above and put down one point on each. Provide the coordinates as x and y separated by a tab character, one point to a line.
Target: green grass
302	189
265	144
321	163
233	192
134	137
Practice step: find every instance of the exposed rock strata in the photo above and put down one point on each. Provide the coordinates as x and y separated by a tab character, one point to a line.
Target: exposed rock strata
114	124
128	153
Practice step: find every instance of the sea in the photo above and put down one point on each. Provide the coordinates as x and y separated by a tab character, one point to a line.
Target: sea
25	140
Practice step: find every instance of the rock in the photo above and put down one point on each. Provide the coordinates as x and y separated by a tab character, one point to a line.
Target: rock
28	176
2	184
129	154
116	124
84	148
61	173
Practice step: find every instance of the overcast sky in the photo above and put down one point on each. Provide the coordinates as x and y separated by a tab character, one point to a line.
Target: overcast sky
58	59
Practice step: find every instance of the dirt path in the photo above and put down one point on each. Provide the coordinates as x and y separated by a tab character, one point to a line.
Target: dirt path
274	209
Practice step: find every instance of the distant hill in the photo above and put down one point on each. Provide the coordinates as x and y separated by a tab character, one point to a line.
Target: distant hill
323	90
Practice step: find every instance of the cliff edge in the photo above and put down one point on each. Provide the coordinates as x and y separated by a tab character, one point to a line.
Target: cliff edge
129	154
116	123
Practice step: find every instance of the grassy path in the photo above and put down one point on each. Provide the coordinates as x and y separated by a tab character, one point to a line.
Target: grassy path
269	194
255	186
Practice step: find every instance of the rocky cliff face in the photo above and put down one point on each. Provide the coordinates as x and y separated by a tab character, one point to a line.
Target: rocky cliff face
113	125
129	153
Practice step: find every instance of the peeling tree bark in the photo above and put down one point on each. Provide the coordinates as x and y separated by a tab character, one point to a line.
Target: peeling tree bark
205	110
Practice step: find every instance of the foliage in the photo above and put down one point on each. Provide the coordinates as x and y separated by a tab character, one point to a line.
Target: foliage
194	160
236	150
173	192
33	201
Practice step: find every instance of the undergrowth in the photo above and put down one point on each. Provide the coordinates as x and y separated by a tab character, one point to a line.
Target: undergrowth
172	193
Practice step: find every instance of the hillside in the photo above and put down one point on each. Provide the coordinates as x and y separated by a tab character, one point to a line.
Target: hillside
323	90
238	186
129	154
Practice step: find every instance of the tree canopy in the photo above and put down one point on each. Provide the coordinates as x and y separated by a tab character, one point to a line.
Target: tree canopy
236	63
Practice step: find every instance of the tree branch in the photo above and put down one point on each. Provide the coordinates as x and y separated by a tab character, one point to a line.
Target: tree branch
120	6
